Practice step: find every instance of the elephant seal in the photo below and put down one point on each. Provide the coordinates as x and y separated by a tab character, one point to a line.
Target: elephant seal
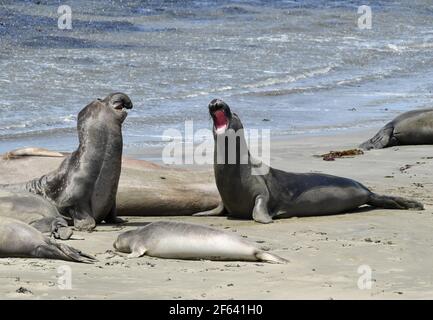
35	211
145	188
84	187
18	239
412	127
278	193
179	240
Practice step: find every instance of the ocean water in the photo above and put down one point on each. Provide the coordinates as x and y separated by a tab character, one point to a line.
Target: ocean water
303	65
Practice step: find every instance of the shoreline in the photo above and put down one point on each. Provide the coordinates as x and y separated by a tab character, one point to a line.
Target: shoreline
320	75
278	142
49	141
325	251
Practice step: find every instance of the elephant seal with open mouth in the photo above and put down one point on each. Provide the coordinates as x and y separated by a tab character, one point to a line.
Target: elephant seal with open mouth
84	187
179	240
277	193
412	127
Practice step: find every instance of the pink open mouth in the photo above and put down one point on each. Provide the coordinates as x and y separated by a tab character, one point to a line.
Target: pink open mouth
220	121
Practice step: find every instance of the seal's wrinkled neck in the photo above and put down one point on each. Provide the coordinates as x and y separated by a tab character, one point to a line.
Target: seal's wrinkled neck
231	148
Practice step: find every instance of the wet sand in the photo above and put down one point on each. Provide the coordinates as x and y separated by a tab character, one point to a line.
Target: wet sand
325	252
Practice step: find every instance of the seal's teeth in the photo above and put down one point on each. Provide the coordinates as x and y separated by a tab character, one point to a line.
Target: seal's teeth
221	129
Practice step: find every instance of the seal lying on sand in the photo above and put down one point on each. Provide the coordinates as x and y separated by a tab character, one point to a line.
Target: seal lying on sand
35	211
24	152
413	127
145	188
278	193
18	239
178	240
84	187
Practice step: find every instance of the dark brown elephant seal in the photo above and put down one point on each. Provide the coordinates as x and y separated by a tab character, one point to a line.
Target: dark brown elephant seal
277	193
84	186
413	127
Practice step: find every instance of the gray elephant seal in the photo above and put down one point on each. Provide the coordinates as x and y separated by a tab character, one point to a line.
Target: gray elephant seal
278	193
177	240
413	127
18	239
84	187
35	211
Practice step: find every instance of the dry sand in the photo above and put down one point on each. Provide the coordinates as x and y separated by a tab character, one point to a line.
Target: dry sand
325	252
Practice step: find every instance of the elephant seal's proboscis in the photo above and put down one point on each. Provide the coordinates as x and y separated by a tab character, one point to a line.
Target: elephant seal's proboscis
84	187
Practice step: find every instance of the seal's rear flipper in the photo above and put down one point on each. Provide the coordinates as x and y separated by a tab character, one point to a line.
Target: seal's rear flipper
388	202
218	211
83	219
75	255
270	258
382	139
53	250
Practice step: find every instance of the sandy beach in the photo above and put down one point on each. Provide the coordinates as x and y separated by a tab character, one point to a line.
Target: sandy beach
324	252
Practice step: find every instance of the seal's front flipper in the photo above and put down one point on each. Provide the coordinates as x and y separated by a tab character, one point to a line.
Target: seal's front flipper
270	258
55	226
116	220
82	220
85	224
60	229
260	211
137	252
218	211
113	218
44	225
384	138
63	233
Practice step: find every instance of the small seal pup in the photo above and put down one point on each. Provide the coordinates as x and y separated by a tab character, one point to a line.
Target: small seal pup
35	211
84	187
18	239
412	127
179	240
277	193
